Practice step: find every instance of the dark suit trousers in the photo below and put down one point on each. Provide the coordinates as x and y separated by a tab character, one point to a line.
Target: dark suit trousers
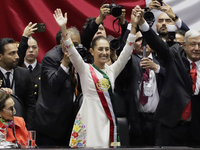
180	135
44	141
145	135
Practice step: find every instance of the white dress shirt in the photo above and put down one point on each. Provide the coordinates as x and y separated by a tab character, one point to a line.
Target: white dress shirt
153	100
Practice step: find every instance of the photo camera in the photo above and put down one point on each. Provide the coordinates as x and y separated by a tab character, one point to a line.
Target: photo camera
115	10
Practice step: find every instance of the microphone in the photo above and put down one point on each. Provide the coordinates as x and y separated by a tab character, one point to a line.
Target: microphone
14	131
144	45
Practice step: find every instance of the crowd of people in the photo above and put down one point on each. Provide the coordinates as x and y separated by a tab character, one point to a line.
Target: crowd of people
69	99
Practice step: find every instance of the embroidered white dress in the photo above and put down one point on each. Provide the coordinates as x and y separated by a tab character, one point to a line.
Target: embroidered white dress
92	126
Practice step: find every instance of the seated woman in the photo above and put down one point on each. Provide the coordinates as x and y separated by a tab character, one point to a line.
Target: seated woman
95	124
6	121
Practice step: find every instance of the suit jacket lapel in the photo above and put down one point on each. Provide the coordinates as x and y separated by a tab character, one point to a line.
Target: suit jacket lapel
186	74
2	78
36	71
138	63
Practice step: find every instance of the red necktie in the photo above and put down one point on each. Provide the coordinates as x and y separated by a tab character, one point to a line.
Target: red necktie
187	110
143	98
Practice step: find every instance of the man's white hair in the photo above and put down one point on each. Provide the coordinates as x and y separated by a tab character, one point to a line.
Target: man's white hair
191	34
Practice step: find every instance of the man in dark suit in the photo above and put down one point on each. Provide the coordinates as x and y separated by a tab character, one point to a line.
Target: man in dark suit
178	109
17	79
140	115
55	111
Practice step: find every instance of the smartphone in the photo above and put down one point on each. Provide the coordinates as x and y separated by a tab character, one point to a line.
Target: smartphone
160	1
40	27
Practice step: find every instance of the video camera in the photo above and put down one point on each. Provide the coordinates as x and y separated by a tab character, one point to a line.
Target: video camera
114	42
83	52
149	16
171	34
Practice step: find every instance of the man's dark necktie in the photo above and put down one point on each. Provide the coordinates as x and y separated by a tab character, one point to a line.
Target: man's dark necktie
187	110
30	68
8	79
75	81
145	77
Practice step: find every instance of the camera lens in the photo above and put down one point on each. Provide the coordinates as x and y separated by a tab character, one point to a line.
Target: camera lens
114	44
149	17
116	12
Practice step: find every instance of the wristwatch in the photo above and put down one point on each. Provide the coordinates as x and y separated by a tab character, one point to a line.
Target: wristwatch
175	18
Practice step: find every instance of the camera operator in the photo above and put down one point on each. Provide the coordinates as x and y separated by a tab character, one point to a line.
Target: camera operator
94	27
166	18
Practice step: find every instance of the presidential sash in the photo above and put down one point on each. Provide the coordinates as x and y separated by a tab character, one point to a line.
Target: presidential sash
104	90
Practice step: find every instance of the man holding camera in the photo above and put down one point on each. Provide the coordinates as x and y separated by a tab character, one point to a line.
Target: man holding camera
166	18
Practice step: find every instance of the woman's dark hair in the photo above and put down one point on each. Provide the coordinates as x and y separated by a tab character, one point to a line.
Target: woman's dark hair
35	40
94	41
3	97
88	22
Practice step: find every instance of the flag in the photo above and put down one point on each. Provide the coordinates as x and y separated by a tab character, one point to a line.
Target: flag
16	14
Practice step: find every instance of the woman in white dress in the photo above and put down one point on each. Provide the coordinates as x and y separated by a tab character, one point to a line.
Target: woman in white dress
95	124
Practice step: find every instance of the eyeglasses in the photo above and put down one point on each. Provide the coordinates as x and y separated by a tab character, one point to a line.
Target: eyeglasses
10	111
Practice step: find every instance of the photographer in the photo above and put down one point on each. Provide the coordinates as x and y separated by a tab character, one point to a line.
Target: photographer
94	27
166	18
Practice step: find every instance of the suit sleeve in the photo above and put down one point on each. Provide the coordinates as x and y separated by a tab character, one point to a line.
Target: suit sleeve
29	103
53	74
124	56
88	34
157	44
184	27
22	50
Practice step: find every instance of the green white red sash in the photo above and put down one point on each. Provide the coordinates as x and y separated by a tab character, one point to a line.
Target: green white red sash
104	90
